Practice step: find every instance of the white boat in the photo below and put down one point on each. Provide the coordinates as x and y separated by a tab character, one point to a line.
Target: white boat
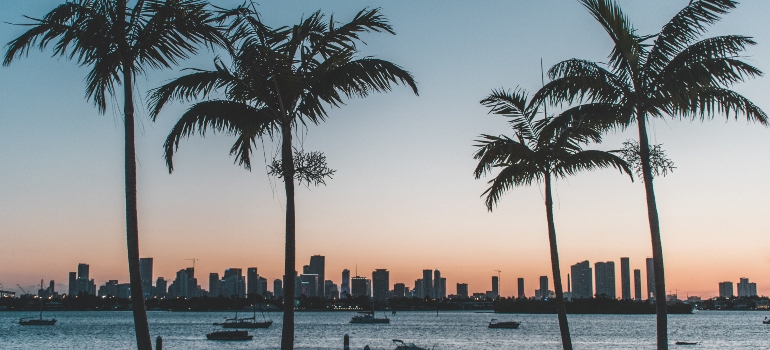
368	317
400	345
506	324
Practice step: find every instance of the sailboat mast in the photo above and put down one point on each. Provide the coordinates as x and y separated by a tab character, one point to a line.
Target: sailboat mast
41	300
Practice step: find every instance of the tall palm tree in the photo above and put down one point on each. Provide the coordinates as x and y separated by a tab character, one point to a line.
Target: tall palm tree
119	43
678	75
279	78
538	153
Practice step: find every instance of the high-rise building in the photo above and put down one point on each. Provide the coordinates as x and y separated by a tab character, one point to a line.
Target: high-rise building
83	284
252	281
746	288
145	273
726	290
462	290
233	283
83	270
278	288
418	291
437	292
262	286
495	286
72	290
521	288
331	290
650	279
582	280
605	279
381	284
318	267
443	288
427	283
399	290
310	285
358	286
161	286
214	285
345	287
637	284
625	278
544	287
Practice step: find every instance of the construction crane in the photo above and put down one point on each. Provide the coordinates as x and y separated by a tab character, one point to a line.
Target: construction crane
193	260
22	289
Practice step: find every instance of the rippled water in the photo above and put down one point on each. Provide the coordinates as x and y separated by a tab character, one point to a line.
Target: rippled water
448	330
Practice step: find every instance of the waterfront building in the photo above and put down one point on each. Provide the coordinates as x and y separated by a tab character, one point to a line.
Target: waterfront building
252	281
443	288
427	283
145	273
310	285
418	292
544	292
438	293
82	283
261	286
520	283
495	286
399	290
72	288
185	285
650	279
345	288
330	288
161	286
582	284
318	266
625	279
605	279
278	288
726	290
358	286
381	284
233	283
746	289
214	290
637	284
462	289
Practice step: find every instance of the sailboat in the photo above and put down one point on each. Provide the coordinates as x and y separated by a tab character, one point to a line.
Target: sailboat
368	317
245	322
38	321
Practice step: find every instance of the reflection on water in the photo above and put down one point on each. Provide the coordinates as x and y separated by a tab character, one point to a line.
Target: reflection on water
448	330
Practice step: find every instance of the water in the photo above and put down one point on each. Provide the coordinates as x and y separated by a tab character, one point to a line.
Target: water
450	330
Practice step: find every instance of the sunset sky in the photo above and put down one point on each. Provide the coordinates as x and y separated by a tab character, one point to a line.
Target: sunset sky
404	196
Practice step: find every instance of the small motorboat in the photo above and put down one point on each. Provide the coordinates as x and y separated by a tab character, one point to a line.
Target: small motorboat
507	324
686	343
400	345
368	317
229	335
766	321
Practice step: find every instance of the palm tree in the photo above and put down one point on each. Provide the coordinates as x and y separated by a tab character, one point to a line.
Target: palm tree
677	75
279	78
119	43
538	153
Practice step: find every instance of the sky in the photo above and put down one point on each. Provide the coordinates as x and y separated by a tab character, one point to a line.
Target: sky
404	197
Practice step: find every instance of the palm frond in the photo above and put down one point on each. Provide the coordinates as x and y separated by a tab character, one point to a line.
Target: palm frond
510	176
705	103
495	150
626	55
189	87
589	160
232	118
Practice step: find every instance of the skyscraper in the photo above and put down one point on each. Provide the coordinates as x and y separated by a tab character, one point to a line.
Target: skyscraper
427	283
746	289
521	288
262	286
462	290
605	279
399	290
544	287
437	292
582	280
358	286
625	279
495	286
252	281
418	292
233	283
214	285
145	273
318	267
345	288
726	289
637	284
72	290
278	288
650	279
380	284
310	285
161	286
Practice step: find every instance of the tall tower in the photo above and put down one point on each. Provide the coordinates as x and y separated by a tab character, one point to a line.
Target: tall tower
582	280
318	267
380	284
637	284
278	288
252	281
521	288
427	283
544	287
145	272
605	279
650	279
438	293
345	289
496	286
625	279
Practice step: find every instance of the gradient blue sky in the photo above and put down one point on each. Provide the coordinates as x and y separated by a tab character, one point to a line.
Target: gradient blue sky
404	197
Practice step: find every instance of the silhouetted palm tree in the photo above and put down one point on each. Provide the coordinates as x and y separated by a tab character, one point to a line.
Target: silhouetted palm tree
119	43
678	75
280	77
537	154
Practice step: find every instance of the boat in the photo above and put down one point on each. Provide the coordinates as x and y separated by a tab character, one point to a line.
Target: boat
766	321
38	321
368	317
507	324
245	322
229	335
686	343
400	345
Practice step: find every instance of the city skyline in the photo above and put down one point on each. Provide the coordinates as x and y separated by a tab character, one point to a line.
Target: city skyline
62	182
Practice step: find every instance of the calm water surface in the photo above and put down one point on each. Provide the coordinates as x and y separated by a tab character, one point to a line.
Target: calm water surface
448	330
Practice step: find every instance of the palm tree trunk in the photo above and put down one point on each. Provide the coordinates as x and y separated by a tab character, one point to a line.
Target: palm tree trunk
657	245
287	160
566	339
143	340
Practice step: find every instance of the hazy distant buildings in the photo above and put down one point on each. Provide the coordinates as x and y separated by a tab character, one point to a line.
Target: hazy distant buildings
582	280
185	285
625	279
521	293
358	286
345	287
145	272
278	288
318	266
650	279
462	290
726	289
439	285
233	283
310	285
746	289
161	286
380	284
543	292
82	283
637	284
605	279
73	280
252	281
495	286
